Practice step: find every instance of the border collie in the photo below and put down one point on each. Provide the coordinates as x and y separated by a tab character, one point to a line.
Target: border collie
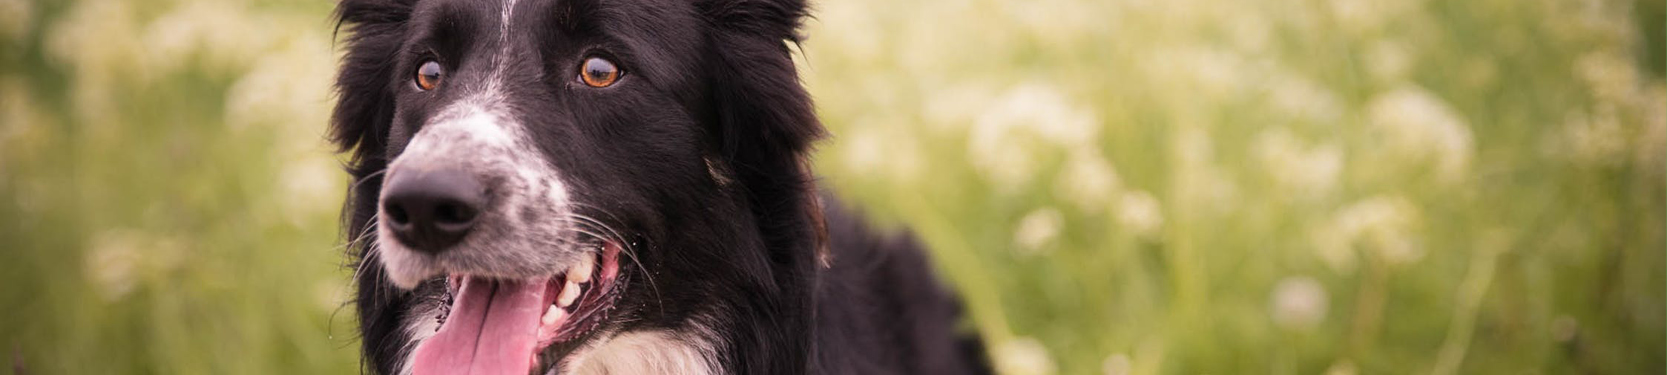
611	187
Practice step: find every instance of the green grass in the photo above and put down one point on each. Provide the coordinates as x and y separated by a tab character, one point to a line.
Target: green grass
1117	187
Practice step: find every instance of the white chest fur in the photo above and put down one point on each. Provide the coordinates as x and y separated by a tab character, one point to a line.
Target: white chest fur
650	352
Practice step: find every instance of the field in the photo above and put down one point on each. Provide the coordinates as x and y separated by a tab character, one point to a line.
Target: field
1115	186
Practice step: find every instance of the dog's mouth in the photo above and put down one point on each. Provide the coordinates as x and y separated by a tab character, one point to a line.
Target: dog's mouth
496	326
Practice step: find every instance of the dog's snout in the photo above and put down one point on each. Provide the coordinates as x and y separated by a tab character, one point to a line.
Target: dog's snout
431	210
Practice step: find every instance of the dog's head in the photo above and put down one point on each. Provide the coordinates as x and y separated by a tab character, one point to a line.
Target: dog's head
535	175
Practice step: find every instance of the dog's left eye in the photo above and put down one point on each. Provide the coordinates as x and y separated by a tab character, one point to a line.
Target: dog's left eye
429	75
598	72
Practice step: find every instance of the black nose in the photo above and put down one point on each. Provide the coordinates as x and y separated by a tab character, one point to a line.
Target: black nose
430	210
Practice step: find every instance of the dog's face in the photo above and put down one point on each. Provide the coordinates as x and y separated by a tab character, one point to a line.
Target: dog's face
524	162
515	121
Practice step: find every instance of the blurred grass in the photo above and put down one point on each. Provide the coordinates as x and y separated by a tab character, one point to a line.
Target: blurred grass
1118	187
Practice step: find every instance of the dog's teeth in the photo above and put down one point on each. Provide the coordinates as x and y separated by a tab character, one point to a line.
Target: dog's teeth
580	272
552	315
569	293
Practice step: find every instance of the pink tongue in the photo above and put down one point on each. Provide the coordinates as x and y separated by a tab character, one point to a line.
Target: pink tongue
492	330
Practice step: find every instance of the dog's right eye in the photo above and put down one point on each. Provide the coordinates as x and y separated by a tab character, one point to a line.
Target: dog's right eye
428	75
598	72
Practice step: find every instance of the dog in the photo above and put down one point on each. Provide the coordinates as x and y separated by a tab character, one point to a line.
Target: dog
611	187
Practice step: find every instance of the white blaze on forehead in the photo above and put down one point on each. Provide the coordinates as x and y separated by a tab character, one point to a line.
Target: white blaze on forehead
503	27
501	60
476	123
460	136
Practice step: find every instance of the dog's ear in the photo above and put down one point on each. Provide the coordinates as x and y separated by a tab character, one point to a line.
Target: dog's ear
365	102
761	109
364	106
762	118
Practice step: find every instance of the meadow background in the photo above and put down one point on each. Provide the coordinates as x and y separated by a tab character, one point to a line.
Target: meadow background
1117	186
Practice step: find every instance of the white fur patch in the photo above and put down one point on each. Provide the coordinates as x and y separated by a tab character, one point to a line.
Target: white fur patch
647	352
421	323
501	60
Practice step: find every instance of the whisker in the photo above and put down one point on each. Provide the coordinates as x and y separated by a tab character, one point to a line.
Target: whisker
596	208
367	178
625	247
370	228
357	238
372	251
371	254
603	226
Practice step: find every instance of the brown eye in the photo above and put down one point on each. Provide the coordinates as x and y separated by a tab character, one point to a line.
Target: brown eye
428	75
598	72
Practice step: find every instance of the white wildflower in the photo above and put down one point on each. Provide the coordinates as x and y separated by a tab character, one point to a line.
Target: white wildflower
1038	230
1117	364
1342	367
1023	356
222	32
118	260
285	90
1301	98
1416	124
1382	226
80	40
1593	138
1057	21
1210	72
1139	213
80	37
1298	302
1088	181
1044	111
1389	61
873	148
110	264
954	107
1029	118
1612	77
1368	16
1307	172
1007	166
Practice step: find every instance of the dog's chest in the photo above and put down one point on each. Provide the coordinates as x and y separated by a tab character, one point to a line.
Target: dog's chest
652	352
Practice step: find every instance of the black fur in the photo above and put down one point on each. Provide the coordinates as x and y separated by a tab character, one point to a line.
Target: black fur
710	86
